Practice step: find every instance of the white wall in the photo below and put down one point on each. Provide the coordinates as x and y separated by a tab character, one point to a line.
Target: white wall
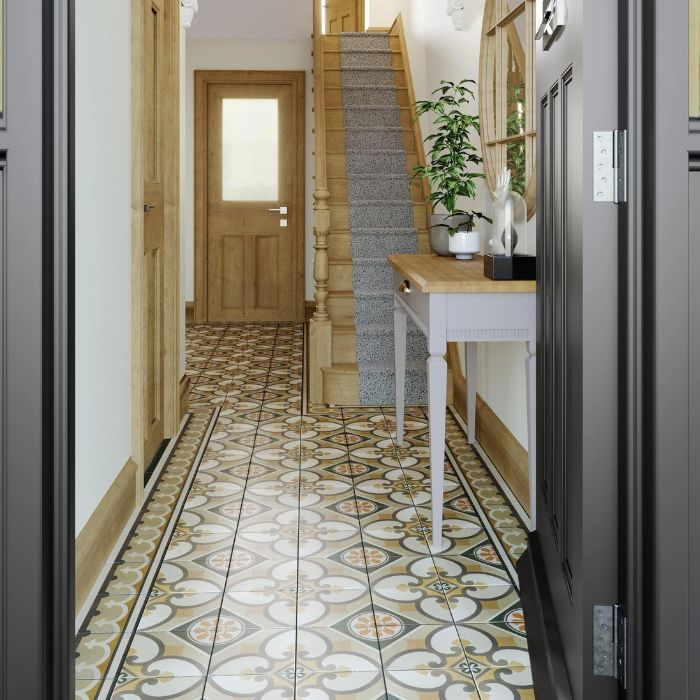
245	55
183	195
102	249
438	52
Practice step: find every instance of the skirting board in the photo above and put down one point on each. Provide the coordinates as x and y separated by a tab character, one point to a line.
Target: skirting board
189	313
502	447
99	536
184	395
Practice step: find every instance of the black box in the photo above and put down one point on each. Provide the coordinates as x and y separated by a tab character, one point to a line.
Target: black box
517	267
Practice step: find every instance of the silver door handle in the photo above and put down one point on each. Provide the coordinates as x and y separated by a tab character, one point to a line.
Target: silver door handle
281	210
148	207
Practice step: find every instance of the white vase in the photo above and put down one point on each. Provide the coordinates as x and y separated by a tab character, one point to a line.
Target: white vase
463	244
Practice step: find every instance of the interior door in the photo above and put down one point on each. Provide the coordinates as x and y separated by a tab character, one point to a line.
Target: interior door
343	16
155	37
573	560
253	220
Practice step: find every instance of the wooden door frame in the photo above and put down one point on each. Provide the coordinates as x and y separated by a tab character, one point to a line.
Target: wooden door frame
202	80
361	17
171	250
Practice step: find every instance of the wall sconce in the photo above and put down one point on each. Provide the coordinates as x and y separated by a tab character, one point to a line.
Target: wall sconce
188	9
455	9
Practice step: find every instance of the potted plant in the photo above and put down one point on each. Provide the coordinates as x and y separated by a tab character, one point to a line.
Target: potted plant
453	167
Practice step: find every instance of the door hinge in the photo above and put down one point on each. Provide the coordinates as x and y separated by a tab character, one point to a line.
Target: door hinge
610	642
610	166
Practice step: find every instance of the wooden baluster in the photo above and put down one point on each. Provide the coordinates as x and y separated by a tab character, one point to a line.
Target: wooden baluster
320	329
322	220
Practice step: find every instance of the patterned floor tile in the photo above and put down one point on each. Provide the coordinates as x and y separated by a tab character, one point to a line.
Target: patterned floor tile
249	687
426	684
299	565
422	647
243	651
349	648
368	685
262	609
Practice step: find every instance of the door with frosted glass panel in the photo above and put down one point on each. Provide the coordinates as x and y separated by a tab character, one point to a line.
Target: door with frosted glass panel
254	201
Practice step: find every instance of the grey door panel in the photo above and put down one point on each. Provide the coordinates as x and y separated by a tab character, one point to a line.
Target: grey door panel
578	352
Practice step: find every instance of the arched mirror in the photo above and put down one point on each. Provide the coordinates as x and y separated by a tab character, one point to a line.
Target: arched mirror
507	95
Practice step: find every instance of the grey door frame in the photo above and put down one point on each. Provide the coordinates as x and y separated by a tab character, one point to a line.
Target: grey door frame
36	483
673	405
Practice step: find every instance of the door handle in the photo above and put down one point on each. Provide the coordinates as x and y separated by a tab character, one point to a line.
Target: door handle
148	207
281	210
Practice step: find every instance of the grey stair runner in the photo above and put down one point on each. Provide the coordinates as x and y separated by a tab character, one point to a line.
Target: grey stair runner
381	216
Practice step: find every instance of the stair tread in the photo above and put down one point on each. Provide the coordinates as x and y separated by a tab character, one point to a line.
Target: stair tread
374	151
351	367
371	108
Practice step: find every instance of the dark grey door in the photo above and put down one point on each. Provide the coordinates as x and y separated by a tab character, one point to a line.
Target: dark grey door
35	603
573	562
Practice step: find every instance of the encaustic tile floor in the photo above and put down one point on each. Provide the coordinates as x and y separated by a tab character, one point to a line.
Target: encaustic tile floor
282	554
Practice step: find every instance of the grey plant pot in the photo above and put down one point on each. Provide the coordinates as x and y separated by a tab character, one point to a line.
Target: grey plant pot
440	240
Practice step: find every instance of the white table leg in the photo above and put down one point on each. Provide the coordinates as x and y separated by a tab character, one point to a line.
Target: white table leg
437	398
531	370
470	355
399	367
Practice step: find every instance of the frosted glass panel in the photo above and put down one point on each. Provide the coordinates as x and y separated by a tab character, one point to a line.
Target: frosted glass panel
250	150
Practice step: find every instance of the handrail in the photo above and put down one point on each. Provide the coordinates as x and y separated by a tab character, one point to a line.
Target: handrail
322	217
397	30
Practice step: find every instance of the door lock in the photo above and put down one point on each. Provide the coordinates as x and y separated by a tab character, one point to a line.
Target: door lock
148	207
281	210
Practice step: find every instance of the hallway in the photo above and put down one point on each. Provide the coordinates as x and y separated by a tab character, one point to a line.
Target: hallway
284	555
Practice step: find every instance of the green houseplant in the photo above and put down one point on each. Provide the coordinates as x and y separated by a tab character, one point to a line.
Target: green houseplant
453	165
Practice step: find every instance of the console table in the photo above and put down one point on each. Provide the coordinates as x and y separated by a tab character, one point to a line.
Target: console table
451	300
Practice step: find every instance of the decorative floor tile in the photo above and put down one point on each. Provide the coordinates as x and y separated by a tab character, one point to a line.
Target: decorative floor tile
298	564
248	687
368	685
422	647
423	684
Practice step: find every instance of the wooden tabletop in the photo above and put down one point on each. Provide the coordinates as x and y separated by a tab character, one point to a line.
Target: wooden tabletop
433	273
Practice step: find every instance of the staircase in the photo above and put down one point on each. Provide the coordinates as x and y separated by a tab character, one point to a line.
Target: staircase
371	145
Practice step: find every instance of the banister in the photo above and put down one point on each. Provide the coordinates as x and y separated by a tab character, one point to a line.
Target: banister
321	192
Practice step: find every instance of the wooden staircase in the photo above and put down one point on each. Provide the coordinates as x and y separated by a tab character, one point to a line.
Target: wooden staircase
333	341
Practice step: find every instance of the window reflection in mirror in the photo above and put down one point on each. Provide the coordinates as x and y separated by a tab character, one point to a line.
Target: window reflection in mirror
515	118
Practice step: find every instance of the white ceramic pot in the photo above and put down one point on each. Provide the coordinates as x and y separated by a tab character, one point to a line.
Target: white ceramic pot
463	244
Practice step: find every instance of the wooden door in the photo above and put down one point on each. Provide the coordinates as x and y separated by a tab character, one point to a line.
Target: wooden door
573	562
344	16
252	192
154	69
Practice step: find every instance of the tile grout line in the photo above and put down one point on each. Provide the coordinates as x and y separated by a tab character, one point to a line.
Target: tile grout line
296	611
364	553
238	522
499	482
152	576
483	518
432	557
